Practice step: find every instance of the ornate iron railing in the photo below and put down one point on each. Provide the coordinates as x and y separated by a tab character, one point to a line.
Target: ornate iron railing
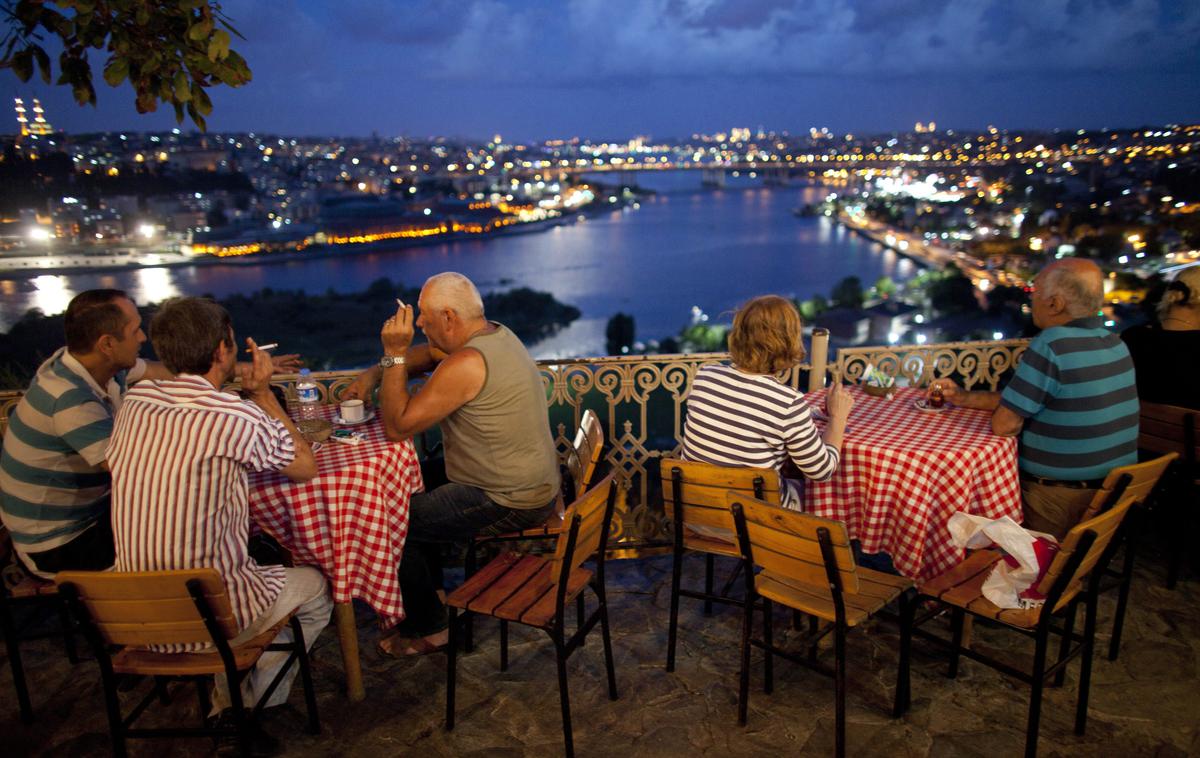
974	365
640	402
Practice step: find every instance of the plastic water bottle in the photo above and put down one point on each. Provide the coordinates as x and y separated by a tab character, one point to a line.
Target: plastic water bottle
308	397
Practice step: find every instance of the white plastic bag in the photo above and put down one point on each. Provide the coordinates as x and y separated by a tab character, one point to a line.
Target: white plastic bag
1027	556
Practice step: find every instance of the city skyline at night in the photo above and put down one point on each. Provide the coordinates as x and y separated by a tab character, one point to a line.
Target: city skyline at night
671	68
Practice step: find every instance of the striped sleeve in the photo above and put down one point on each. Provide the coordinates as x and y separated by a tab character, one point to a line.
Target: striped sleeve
1036	381
271	447
815	459
84	424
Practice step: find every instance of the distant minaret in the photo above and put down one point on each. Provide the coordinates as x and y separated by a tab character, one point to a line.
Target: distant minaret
39	127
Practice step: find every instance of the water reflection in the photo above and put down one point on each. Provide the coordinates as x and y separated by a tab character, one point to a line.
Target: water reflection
683	246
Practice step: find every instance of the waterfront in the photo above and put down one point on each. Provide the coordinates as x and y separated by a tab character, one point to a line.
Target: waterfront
683	247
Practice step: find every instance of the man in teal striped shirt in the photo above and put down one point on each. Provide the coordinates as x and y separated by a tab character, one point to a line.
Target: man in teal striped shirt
1073	399
53	474
54	480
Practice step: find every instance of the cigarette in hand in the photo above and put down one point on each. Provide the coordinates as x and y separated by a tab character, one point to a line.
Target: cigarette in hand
268	346
400	303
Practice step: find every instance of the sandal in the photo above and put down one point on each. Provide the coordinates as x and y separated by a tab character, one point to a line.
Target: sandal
403	647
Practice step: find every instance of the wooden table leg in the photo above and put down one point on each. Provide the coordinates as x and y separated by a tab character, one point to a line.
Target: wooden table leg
347	631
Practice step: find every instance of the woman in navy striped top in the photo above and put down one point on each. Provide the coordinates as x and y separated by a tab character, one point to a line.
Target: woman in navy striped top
742	415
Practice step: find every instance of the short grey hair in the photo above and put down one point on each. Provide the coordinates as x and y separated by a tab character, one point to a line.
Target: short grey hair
1084	294
455	292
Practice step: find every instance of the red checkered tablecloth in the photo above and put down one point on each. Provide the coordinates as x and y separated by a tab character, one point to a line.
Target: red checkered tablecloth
905	472
351	520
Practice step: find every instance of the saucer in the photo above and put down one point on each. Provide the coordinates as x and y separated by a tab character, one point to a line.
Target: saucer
922	404
337	419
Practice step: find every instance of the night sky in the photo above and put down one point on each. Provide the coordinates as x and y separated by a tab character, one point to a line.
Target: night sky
533	69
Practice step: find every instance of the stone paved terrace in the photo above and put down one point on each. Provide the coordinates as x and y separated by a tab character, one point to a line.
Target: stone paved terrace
1147	703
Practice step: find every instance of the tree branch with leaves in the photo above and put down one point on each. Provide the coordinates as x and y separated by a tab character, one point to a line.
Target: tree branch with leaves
170	52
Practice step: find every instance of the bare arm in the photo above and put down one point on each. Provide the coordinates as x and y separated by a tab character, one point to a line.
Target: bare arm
256	383
1005	422
455	381
418	359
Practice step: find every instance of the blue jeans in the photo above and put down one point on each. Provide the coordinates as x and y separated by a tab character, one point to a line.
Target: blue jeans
448	514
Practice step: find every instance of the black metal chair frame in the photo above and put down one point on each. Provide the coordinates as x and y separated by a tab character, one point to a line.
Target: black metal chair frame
814	635
13	638
708	596
121	728
1068	650
564	646
1187	471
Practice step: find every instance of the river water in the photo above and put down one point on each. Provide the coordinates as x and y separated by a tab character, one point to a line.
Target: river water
683	247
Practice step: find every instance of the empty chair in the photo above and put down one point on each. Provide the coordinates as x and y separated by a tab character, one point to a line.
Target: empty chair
1138	482
1172	429
1073	578
806	564
535	590
132	611
694	499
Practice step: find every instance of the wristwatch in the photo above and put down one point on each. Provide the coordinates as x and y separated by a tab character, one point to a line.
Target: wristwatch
388	361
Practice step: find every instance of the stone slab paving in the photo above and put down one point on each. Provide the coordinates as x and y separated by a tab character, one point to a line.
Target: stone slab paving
1147	703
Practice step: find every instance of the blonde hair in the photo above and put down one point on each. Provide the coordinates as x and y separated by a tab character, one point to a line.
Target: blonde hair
765	338
1185	296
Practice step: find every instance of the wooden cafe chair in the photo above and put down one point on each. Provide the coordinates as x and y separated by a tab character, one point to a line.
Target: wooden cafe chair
694	499
1140	483
123	613
806	563
37	594
1073	578
582	461
536	590
1172	429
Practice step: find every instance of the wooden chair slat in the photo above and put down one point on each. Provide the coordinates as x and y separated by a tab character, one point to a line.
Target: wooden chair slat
1143	478
786	542
1105	526
512	580
165	610
152	587
541	613
588	506
707	544
1163	429
979	562
478	582
538	586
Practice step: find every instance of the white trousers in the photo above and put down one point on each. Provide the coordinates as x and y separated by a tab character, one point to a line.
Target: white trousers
305	590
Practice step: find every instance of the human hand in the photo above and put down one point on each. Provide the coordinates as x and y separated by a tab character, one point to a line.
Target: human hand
362	387
286	364
951	392
838	402
397	332
256	375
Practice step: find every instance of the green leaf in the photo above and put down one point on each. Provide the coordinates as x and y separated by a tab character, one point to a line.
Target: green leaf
200	30
43	62
183	87
218	46
178	112
22	64
116	71
201	100
197	119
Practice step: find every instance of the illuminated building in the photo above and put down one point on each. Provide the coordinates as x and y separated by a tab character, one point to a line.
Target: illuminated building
39	127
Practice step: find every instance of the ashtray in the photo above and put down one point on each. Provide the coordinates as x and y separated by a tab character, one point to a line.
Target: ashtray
315	429
877	391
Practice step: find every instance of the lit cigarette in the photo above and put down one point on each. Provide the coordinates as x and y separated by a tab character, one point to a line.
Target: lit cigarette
400	303
268	346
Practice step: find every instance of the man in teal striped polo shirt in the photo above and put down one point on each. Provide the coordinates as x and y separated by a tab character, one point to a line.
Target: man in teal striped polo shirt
54	478
1073	399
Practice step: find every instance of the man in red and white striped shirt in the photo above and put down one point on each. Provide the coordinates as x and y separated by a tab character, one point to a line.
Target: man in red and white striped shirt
180	452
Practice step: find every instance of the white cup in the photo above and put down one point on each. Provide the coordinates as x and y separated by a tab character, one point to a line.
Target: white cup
352	410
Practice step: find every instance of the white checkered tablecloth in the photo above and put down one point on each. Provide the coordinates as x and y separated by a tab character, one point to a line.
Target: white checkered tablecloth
351	520
905	472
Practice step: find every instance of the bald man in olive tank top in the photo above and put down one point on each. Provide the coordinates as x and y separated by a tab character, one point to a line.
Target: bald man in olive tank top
501	464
